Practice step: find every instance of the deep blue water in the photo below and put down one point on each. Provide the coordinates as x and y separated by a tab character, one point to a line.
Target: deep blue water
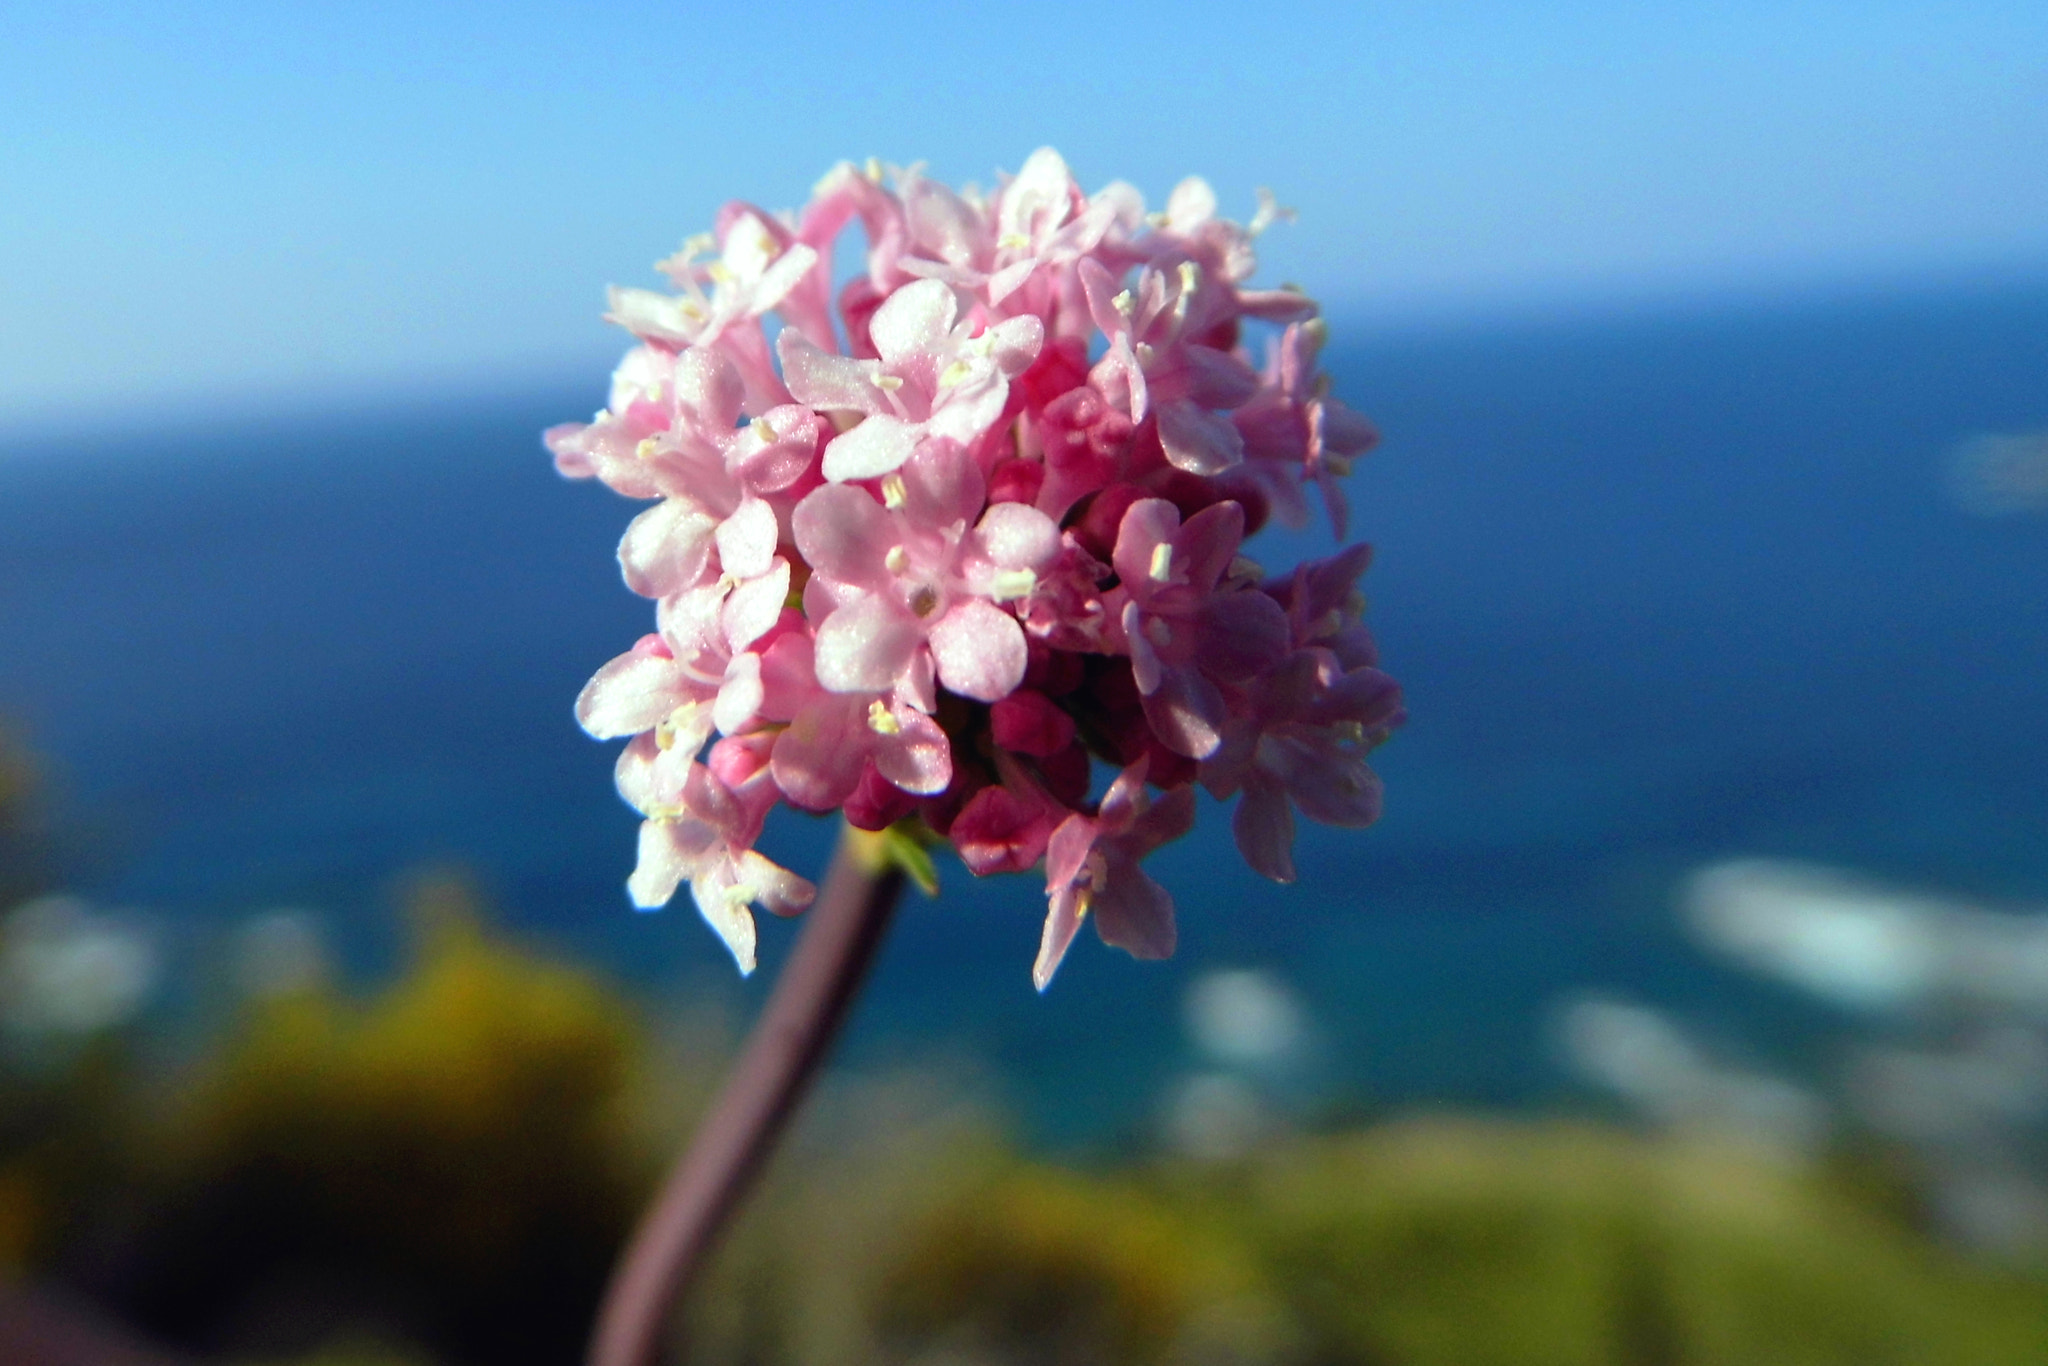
1661	589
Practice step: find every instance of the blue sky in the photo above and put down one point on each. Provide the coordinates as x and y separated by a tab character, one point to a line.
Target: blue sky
236	205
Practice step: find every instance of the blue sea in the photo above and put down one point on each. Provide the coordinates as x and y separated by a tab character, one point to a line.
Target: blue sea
1663	588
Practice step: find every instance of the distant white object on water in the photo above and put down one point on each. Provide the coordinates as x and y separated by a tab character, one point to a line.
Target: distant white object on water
1837	937
1646	1060
1999	475
68	970
1245	1018
1863	945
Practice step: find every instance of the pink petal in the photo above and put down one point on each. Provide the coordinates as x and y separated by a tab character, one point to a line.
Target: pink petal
917	757
825	379
844	534
1039	199
1208	543
563	441
788	443
1017	536
1125	801
942	484
709	389
1243	633
723	904
1167	818
669	852
1216	379
1332	786
963	414
818	759
979	649
1015	343
1135	914
632	693
746	540
1146	670
1264	826
1147	524
776	888
914	321
756	605
740	696
1186	713
1063	914
666	548
862	646
879	445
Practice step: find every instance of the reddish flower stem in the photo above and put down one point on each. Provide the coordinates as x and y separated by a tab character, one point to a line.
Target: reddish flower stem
803	1016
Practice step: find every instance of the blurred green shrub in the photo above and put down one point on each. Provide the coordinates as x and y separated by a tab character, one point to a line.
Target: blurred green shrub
449	1164
453	1159
1453	1243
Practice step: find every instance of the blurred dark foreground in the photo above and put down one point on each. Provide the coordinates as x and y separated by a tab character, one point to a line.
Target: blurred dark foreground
441	1170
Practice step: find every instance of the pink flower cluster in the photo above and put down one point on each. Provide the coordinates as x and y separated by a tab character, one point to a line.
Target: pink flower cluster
929	553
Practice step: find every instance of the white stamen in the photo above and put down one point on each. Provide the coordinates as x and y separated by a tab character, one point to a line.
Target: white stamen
894	494
1010	584
888	384
1122	304
1013	241
1158	632
764	431
1162	563
1144	352
953	374
897	560
645	450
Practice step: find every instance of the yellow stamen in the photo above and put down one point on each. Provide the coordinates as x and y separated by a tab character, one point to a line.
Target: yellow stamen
1162	562
880	721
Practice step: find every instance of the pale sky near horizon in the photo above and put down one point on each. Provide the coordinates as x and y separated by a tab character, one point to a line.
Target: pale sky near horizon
300	206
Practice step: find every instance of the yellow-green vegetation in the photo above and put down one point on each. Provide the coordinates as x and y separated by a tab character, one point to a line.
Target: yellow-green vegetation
458	1155
441	1171
1460	1243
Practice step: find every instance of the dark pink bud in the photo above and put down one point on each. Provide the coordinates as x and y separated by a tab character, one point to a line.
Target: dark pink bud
1016	481
1027	722
1053	672
1190	493
1067	773
999	832
877	803
1099	522
1061	366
